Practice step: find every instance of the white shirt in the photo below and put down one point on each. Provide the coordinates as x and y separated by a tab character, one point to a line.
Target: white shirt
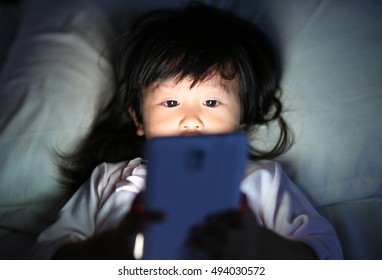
106	198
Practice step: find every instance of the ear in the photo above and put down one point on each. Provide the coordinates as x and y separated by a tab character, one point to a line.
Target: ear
140	131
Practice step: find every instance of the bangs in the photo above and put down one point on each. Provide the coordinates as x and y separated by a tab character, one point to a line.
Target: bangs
197	66
197	51
178	59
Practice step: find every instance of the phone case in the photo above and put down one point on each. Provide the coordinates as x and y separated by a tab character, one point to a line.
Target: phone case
188	178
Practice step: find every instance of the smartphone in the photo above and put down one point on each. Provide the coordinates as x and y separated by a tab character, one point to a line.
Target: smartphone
189	177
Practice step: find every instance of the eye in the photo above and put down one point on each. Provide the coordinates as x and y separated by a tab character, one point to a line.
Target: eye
170	103
211	103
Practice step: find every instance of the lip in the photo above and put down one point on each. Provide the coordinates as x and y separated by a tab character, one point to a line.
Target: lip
190	133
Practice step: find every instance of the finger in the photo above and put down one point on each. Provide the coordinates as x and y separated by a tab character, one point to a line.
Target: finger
206	234
249	220
212	233
136	222
235	243
207	244
228	218
227	235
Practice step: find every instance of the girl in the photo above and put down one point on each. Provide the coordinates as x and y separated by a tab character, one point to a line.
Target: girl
179	72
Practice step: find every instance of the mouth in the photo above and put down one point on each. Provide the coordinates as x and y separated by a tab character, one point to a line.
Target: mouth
190	133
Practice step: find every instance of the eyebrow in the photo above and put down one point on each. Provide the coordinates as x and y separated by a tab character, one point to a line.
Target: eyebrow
210	82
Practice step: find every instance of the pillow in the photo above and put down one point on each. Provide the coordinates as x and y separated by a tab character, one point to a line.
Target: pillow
55	71
333	92
332	95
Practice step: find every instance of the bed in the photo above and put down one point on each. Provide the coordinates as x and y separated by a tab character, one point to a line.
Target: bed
54	63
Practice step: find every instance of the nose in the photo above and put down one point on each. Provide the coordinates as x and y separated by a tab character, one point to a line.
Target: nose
191	124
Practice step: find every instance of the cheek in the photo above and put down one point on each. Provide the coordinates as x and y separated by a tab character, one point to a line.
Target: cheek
235	116
233	123
157	125
227	121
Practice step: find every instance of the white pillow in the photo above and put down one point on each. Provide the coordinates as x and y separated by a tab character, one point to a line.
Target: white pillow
332	93
49	89
332	87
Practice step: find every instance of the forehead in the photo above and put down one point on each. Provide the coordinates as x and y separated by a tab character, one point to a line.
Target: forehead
213	82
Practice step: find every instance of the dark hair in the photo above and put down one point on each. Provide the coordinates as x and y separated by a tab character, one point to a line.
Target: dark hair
197	41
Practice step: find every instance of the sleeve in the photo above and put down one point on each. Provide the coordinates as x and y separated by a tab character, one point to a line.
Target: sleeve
281	207
87	212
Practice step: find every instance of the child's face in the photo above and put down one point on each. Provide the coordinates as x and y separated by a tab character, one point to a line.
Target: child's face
173	108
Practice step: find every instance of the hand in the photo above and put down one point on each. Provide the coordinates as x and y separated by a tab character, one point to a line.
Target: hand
227	235
114	244
237	235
